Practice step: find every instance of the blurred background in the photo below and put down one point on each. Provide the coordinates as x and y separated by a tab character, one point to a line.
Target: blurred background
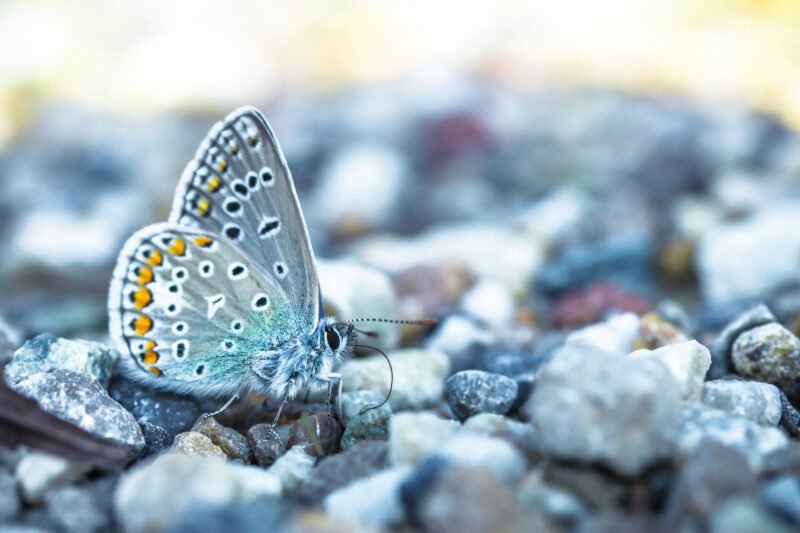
591	155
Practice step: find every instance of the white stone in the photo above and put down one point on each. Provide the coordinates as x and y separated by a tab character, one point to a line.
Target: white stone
492	454
699	423
360	185
39	472
616	335
688	363
748	258
493	251
152	496
418	377
491	302
456	334
353	290
555	214
371	501
756	401
412	435
292	468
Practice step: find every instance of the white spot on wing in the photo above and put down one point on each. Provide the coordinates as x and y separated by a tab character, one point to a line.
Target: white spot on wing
214	304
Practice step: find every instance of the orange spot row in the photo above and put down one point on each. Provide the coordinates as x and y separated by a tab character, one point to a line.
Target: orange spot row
213	183
142	298
150	356
203	206
156	259
203	241
142	324
178	247
145	275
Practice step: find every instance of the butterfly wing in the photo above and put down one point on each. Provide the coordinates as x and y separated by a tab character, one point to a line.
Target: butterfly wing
193	310
239	187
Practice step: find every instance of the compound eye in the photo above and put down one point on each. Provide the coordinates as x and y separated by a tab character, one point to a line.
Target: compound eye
332	338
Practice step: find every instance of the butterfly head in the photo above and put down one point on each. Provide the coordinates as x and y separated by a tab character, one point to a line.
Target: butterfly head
337	339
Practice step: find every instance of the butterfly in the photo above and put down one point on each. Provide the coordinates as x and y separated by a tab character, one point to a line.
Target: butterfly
224	296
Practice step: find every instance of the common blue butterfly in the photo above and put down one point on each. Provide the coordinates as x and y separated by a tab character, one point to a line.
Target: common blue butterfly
224	297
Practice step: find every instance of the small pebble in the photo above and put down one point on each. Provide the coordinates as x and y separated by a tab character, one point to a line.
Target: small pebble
336	471
9	499
759	402
721	363
80	399
418	377
412	435
353	402
293	468
687	361
782	495
75	509
372	425
46	352
266	444
769	353
230	441
154	496
471	392
197	445
37	473
655	332
156	439
327	429
372	501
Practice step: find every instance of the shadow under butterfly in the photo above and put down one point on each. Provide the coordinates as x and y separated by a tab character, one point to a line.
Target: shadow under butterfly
224	298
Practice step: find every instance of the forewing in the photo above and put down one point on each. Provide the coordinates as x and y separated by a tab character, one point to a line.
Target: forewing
239	186
192	310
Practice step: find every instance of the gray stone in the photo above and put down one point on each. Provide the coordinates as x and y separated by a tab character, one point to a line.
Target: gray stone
46	352
688	363
769	353
458	337
491	302
556	504
372	425
418	377
37	473
471	392
699	423
156	439
9	500
293	468
373	501
172	412
750	257
336	471
353	402
490	454
266	444
488	250
782	495
592	406
229	440
744	515
759	402
81	400
197	445
467	500
75	509
721	363
712	474
152	497
412	435
616	335
354	290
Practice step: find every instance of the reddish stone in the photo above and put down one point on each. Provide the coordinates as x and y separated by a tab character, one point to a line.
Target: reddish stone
591	304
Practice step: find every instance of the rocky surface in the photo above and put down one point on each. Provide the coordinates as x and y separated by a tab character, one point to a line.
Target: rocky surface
614	276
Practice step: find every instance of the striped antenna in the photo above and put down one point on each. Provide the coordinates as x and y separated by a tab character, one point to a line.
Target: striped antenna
424	322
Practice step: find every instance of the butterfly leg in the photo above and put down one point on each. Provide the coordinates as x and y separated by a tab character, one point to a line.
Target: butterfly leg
284	401
335	395
221	409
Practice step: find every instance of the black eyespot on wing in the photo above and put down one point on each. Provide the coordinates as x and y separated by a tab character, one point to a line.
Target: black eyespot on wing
233	232
200	369
233	206
266	175
332	338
